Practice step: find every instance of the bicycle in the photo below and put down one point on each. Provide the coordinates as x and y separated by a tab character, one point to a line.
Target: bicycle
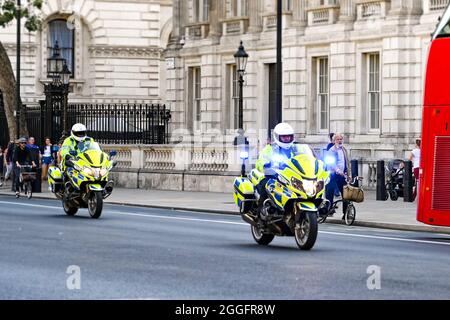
26	179
350	212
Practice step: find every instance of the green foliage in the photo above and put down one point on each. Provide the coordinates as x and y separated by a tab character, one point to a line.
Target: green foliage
9	12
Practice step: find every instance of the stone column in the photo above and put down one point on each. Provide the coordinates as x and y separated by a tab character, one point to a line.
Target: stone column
255	13
347	10
404	7
176	18
215	15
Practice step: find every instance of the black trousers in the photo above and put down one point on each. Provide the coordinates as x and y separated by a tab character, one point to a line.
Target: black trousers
17	178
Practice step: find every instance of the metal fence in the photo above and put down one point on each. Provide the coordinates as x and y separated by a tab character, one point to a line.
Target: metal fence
123	123
106	123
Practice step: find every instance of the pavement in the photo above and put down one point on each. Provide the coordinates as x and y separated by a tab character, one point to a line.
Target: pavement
388	214
148	253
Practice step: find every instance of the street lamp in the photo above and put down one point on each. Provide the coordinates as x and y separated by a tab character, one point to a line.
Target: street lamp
55	64
57	91
241	58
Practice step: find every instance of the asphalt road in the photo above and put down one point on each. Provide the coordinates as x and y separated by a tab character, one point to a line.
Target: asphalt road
139	253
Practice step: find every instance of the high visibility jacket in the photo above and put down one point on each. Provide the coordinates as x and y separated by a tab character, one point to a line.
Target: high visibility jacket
71	144
269	151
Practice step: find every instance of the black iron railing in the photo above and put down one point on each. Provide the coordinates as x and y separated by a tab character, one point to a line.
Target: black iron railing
112	123
106	123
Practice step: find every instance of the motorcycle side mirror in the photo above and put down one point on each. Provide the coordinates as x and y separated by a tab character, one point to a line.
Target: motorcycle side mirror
69	164
112	153
115	163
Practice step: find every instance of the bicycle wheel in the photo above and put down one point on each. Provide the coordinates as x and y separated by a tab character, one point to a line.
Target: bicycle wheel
29	190
350	214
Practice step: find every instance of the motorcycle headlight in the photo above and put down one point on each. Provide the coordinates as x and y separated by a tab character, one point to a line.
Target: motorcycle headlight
103	172
319	186
88	171
309	186
297	184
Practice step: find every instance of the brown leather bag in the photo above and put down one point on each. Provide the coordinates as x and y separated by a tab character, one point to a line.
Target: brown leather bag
354	194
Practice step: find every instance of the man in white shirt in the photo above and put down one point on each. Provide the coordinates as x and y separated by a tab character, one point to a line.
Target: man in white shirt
340	171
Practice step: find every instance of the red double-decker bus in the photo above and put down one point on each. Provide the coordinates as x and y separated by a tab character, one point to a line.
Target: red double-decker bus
434	178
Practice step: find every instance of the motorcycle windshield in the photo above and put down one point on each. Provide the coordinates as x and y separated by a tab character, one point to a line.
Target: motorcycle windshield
85	146
305	165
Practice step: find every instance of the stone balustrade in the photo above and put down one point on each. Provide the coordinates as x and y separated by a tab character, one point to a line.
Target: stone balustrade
324	14
235	25
195	168
372	8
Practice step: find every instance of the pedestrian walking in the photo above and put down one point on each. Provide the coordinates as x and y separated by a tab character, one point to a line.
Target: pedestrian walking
47	156
414	156
8	159
331	135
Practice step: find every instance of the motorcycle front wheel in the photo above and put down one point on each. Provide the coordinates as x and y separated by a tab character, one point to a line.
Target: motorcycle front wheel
261	238
306	231
95	204
68	209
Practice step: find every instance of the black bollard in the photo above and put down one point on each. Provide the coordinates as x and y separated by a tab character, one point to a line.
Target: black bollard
408	182
381	183
355	171
36	186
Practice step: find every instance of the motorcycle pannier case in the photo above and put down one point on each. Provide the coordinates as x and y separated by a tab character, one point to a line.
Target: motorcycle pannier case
244	194
55	177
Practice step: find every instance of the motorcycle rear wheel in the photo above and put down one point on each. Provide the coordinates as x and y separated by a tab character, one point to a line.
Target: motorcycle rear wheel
95	204
261	238
306	230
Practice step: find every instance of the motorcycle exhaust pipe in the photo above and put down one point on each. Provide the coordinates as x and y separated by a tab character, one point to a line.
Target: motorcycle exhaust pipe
247	218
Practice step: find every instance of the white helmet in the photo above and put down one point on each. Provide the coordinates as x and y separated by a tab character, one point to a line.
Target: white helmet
283	135
78	132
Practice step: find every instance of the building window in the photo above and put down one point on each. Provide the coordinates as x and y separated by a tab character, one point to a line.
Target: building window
287	5
234	98
373	89
201	10
239	8
196	93
322	93
58	31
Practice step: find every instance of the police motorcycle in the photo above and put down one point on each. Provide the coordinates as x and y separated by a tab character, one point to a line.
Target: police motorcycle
295	189
84	180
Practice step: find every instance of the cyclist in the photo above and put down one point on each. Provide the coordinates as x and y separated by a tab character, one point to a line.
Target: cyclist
21	156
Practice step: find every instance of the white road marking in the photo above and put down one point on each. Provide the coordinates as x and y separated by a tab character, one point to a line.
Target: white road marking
238	223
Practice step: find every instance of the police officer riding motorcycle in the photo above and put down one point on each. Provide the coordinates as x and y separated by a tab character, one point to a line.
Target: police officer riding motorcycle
283	194
83	179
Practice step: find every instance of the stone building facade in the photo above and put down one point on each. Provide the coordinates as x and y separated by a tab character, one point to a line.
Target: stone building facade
350	66
114	49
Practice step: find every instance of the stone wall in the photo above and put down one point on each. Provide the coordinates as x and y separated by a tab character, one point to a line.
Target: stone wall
210	168
118	48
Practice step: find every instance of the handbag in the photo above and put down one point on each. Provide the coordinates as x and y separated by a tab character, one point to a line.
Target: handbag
354	194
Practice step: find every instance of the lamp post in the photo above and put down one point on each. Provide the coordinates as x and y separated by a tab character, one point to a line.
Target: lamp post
241	58
58	89
65	77
18	101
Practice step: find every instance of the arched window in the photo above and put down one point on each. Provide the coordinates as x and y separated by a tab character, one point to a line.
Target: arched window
61	31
